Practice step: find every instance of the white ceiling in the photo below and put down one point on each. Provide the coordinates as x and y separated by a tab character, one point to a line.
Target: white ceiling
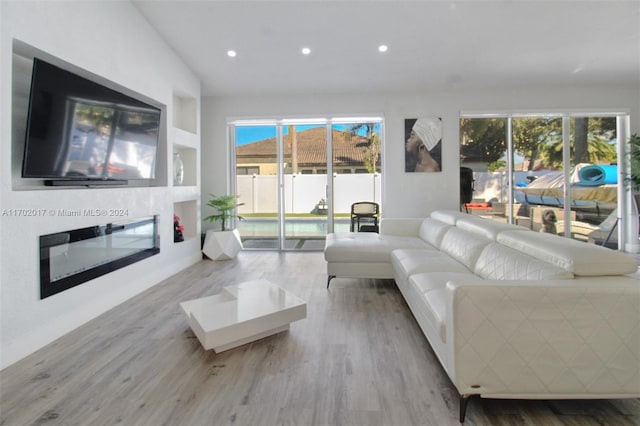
433	45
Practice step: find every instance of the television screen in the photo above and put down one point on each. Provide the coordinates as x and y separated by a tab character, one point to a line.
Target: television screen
79	129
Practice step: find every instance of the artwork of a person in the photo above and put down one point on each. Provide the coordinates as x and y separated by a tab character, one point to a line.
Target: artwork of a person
423	145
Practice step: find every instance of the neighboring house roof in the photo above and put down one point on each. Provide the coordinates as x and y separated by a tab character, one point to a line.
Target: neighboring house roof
348	149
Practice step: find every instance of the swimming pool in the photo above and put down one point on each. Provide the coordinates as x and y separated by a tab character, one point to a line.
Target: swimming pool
299	227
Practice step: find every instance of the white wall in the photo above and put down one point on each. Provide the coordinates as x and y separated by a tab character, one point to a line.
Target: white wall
112	40
404	194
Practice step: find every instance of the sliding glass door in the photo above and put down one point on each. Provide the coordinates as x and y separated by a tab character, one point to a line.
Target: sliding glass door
297	179
357	171
256	184
305	186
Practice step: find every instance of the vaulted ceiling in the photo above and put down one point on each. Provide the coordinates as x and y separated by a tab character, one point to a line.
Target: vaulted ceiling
432	45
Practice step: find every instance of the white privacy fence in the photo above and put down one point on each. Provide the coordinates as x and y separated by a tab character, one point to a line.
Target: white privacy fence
303	193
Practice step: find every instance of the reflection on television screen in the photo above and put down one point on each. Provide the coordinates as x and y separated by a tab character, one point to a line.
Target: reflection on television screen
111	141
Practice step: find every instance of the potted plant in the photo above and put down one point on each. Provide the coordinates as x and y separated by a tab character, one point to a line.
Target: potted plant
633	182
224	243
225	205
634	178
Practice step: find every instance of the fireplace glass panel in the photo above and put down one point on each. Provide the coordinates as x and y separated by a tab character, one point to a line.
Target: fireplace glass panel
73	257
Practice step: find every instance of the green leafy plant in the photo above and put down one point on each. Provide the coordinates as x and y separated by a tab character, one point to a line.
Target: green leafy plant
225	206
495	166
634	179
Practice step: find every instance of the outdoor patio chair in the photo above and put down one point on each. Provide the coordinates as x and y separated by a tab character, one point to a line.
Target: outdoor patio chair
364	216
602	234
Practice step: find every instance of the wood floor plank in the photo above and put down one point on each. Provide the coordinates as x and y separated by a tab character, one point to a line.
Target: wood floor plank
359	358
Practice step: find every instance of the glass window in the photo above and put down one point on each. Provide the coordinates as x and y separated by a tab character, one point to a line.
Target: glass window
527	170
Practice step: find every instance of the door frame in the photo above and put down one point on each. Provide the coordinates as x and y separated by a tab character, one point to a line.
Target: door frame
280	123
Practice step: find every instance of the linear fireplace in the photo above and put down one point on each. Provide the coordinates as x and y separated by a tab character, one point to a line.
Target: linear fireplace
70	258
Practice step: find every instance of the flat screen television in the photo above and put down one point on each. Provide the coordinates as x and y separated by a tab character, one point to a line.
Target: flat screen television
79	130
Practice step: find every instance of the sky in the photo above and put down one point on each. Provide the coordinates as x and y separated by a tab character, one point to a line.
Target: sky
248	134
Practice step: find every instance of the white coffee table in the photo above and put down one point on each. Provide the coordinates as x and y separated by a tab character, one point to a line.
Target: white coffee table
242	313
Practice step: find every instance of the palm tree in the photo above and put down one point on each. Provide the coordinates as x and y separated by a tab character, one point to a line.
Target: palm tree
372	156
598	151
294	149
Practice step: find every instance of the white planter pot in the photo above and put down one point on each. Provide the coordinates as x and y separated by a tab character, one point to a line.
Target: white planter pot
222	245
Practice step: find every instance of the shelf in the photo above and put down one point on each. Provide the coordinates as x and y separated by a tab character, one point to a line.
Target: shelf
187	211
184	139
189	157
185	113
185	193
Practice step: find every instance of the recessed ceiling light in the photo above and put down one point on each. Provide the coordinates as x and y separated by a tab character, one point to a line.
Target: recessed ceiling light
383	48
231	53
305	50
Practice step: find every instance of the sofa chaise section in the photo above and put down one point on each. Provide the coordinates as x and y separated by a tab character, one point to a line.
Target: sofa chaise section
366	254
510	313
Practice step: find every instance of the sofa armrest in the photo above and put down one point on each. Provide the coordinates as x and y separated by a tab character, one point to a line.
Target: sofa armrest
567	338
405	227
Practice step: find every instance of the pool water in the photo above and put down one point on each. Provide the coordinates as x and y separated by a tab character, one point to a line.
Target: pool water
292	228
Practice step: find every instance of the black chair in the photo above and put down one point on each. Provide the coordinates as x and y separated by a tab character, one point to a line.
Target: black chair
466	186
364	216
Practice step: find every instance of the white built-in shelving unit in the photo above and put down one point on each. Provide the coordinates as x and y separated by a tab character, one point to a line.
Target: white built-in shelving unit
184	139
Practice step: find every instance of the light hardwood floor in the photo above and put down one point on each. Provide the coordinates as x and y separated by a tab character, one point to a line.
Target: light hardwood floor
358	358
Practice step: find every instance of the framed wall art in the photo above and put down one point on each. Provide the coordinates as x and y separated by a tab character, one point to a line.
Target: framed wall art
423	144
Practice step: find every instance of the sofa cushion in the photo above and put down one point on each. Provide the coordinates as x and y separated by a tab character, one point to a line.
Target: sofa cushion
395	242
463	246
428	281
432	285
580	258
366	246
448	216
407	262
432	231
352	246
436	301
498	262
487	228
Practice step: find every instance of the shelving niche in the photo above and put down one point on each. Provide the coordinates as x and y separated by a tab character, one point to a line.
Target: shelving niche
189	157
185	141
185	113
184	137
187	211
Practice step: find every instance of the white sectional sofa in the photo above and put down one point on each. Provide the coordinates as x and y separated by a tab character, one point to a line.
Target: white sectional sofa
510	313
